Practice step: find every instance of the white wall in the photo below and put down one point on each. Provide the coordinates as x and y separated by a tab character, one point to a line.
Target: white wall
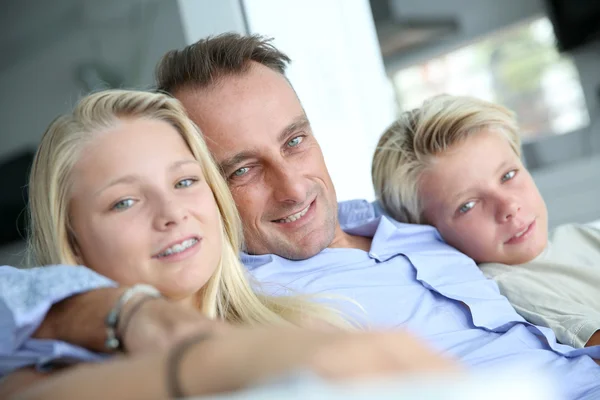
339	76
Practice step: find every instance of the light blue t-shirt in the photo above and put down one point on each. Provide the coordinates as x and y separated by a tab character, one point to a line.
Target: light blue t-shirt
410	278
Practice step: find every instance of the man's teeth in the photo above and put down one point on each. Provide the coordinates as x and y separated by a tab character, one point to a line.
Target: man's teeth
293	217
179	247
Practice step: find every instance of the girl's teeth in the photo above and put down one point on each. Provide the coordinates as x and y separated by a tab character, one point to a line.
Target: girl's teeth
179	247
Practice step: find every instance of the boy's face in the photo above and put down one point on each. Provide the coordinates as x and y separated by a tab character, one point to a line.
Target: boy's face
484	202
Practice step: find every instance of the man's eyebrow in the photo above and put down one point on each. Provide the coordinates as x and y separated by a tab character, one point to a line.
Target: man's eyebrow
299	123
231	162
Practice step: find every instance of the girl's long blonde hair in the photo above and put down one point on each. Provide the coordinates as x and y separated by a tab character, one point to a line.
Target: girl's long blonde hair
228	294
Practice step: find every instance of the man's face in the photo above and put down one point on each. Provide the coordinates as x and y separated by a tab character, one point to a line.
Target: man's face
259	134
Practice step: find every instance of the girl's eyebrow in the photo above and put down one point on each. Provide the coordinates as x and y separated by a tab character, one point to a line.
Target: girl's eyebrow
135	178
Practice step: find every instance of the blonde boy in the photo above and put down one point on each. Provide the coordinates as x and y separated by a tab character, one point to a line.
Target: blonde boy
455	164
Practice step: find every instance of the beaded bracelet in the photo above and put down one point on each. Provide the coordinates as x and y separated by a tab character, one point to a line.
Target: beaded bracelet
113	342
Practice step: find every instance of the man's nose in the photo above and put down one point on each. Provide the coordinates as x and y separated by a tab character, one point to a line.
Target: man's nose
287	184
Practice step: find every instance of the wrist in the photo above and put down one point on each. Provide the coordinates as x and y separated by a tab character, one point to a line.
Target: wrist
130	310
176	387
114	317
63	320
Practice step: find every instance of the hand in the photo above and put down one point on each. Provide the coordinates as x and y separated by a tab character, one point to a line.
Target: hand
250	356
158	324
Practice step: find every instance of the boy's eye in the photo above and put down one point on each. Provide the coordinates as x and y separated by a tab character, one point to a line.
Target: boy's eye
240	172
123	204
509	175
185	183
466	207
295	141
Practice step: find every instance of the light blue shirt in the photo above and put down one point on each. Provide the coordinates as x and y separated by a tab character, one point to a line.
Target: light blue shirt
410	278
26	295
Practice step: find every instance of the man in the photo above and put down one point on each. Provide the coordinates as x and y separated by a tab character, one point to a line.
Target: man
234	88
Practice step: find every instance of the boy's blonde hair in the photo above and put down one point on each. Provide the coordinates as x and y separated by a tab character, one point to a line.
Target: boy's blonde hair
228	294
409	146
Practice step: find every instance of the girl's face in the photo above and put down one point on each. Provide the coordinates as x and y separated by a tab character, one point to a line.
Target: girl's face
141	210
484	202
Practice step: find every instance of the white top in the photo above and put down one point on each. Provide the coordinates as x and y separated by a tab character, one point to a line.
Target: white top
560	289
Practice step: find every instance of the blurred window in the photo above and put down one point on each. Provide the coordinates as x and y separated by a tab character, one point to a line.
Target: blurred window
519	67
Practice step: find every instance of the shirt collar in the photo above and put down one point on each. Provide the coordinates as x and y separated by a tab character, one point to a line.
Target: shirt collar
362	218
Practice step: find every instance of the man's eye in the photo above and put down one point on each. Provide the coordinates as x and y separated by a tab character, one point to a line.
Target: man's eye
185	183
295	141
241	171
466	207
509	175
123	204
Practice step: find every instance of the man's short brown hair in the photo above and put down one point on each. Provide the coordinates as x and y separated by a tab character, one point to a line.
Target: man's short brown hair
203	63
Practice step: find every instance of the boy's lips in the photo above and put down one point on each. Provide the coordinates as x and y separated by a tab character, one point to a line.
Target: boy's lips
522	234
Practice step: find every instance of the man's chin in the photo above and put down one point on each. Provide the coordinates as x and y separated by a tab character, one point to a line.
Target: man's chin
290	249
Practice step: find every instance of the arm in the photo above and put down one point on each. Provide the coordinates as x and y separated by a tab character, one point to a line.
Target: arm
594	340
156	324
26	295
79	319
59	303
19	380
242	357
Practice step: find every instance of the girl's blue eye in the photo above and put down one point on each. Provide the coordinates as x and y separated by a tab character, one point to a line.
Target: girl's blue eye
184	183
295	141
466	207
509	175
123	204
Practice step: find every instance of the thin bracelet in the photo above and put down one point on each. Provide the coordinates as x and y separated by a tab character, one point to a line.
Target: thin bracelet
174	363
122	326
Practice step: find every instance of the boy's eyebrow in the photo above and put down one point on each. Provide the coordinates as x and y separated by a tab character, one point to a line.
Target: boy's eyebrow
460	194
502	166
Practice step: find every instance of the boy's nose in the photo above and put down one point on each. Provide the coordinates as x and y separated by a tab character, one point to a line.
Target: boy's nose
508	210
